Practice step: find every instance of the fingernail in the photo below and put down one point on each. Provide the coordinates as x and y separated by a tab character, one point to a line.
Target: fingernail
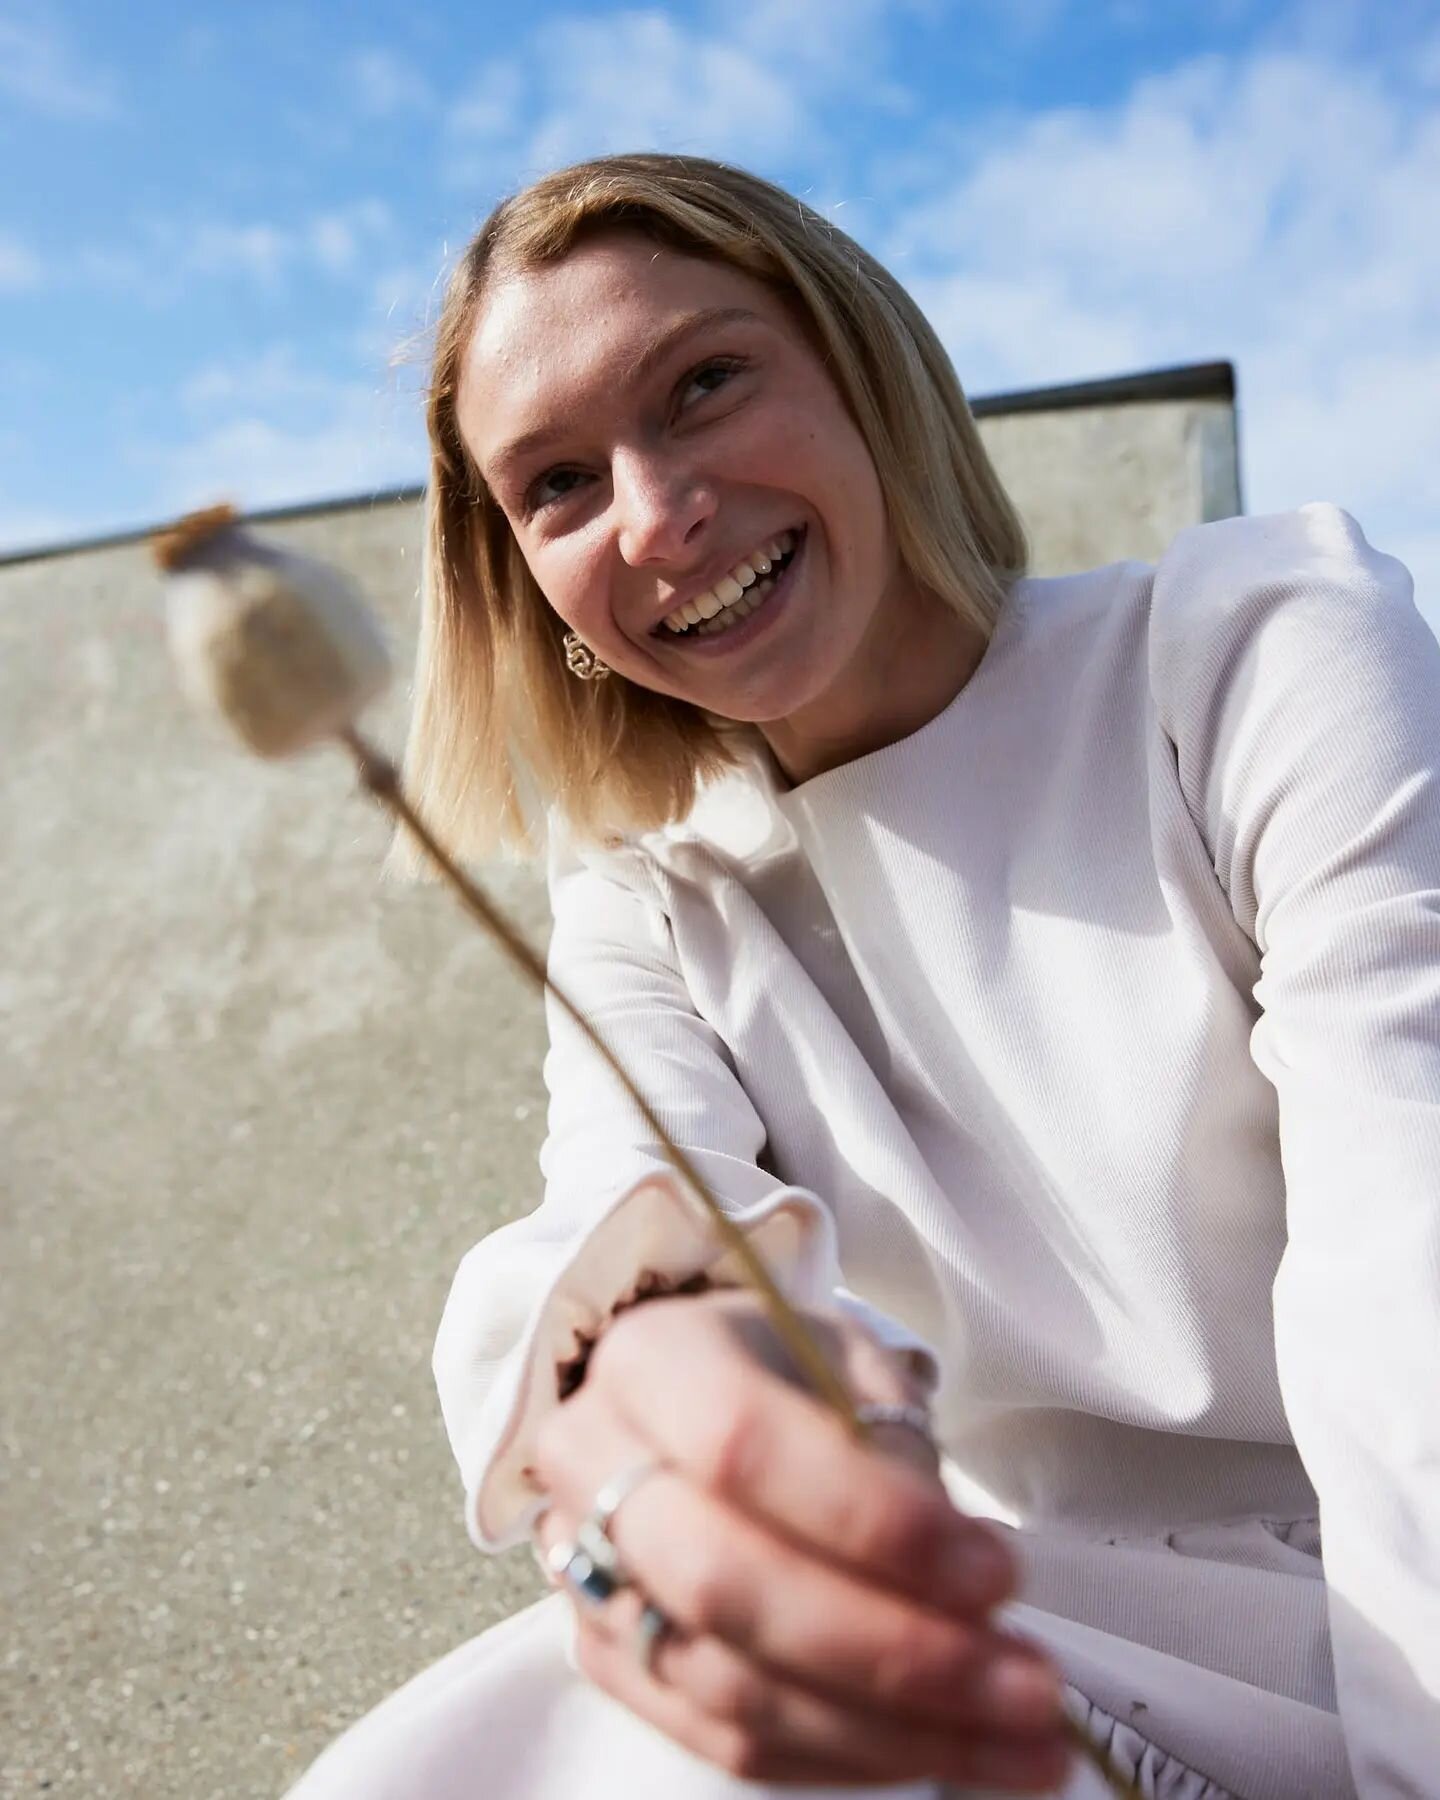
976	1570
1022	1692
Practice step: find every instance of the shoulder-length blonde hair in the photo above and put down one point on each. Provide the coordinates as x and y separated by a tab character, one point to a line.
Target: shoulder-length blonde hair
501	728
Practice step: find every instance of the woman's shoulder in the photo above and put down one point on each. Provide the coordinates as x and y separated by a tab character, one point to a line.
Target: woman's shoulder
1208	568
1217	564
1285	587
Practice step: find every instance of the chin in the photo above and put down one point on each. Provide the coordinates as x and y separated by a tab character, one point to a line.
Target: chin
753	709
771	707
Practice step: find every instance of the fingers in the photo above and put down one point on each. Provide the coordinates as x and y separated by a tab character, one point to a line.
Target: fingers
753	1439
758	1727
718	1573
755	1724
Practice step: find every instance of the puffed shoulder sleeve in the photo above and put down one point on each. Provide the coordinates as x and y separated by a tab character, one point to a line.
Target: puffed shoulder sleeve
1300	688
613	1212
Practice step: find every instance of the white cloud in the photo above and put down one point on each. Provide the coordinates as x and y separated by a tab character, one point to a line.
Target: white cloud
275	377
259	252
177	254
825	48
632	80
20	268
640	79
268	431
40	71
489	108
337	240
331	241
1278	209
382	84
749	82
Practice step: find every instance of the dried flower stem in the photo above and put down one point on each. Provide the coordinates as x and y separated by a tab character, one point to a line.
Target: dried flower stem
381	778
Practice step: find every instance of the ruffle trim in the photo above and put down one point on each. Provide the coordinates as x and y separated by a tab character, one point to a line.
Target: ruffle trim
1157	1774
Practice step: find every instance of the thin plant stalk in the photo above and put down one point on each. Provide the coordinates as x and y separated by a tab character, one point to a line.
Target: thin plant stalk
381	778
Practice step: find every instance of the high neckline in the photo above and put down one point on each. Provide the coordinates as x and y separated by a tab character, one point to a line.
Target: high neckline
876	763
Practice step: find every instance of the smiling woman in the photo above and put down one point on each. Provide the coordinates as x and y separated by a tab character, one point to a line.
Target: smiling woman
648	369
984	941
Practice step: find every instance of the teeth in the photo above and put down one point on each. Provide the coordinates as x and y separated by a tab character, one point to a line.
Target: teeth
729	592
732	615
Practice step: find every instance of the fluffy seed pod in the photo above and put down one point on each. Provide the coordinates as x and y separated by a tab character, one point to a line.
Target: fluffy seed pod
281	646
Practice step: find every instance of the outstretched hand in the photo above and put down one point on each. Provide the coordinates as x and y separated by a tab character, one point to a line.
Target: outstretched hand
830	1608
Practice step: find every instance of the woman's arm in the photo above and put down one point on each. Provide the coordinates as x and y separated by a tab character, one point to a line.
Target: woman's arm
829	1609
1302	692
529	1295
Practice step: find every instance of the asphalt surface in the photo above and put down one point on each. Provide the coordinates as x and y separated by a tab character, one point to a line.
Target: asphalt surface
254	1107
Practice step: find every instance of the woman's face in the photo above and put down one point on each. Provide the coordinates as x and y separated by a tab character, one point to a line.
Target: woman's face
665	443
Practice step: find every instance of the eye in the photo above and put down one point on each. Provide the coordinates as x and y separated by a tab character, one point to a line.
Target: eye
542	491
717	372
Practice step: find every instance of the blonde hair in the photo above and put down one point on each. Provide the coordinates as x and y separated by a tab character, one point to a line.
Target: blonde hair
500	725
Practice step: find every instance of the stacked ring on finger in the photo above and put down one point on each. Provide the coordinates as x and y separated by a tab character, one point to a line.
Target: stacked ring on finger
589	1567
653	1625
594	1532
588	1578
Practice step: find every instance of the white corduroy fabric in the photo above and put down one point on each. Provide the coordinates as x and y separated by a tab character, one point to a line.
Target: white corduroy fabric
1095	1030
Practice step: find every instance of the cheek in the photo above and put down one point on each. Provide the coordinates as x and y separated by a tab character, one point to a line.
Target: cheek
857	519
566	572
817	450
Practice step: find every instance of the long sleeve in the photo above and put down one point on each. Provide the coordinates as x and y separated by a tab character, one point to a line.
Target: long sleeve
1301	691
612	1209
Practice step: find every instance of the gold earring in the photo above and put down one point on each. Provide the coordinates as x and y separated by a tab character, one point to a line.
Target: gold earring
581	660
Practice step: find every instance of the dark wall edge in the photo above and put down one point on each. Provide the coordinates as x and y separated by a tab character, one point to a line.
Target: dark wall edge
1188	381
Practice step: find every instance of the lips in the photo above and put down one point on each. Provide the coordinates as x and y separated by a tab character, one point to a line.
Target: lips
700	642
739	590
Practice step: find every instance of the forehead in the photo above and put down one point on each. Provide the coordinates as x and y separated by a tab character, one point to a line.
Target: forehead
550	342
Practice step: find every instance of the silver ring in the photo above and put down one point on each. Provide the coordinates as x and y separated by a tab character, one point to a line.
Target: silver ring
594	1530
589	1579
649	1631
879	1412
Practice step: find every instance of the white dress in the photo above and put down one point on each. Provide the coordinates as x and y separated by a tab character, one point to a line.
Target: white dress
1088	1040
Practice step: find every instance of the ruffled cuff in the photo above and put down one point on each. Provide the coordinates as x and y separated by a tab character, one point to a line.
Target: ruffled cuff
658	1228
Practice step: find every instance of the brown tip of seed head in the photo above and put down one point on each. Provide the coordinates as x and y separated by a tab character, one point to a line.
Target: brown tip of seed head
173	545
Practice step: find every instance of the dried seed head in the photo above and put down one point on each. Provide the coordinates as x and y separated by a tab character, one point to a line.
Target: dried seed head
173	545
281	646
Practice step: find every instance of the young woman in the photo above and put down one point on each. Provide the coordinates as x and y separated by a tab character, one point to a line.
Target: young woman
1045	972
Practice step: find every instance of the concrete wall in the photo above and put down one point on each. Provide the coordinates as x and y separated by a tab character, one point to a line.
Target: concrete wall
1095	483
254	1108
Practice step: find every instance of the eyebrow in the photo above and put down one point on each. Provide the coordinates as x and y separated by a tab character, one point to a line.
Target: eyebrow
692	325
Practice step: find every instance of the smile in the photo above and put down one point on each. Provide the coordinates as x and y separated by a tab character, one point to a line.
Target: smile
736	595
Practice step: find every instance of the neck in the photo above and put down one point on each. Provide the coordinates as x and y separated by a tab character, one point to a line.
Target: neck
904	674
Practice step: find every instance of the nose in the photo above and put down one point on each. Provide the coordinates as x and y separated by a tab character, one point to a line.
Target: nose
662	509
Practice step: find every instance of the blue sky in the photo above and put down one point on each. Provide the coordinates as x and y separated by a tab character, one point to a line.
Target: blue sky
219	225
